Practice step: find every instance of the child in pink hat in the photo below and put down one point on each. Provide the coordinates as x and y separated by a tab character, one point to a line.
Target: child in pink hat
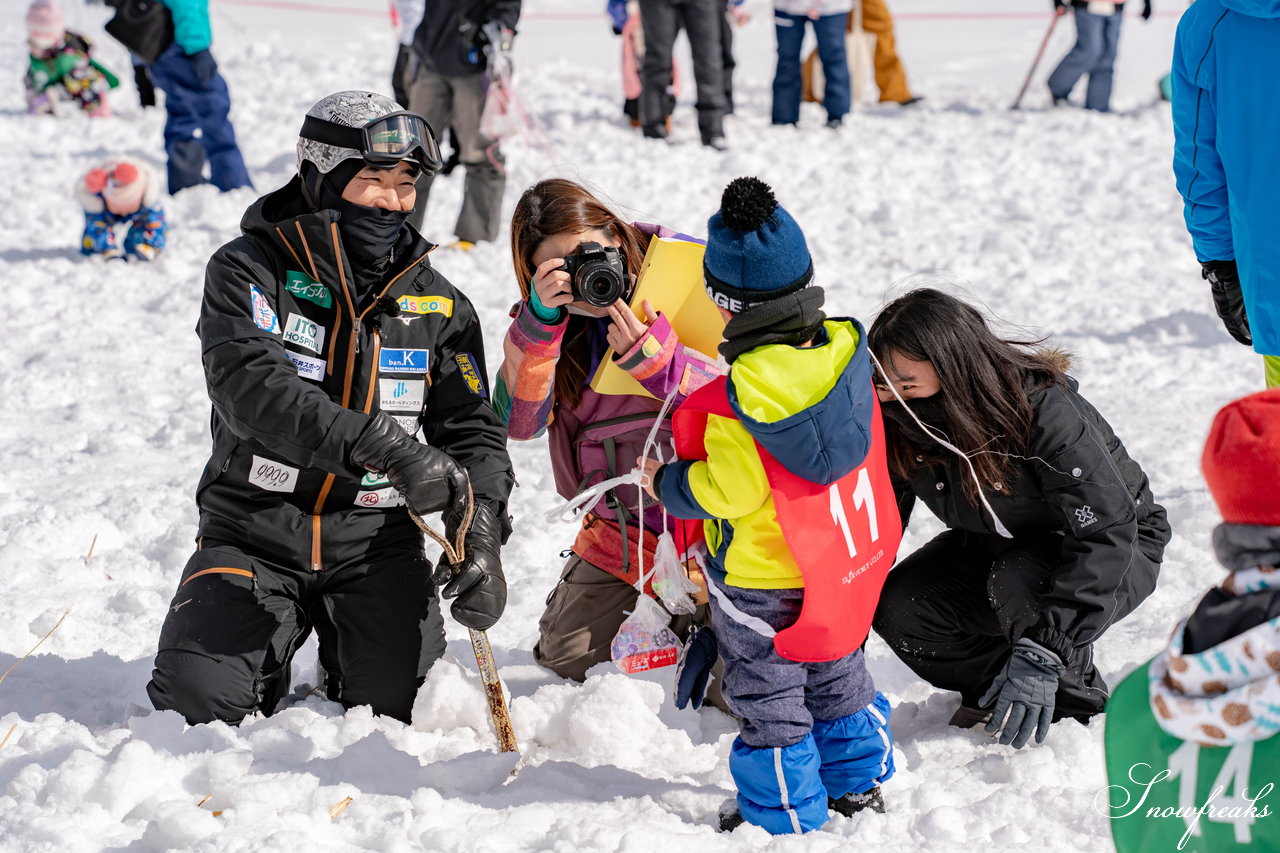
60	67
116	191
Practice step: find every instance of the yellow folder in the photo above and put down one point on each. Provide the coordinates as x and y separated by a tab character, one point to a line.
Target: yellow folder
671	279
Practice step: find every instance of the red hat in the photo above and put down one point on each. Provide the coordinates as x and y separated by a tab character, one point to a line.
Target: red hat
1241	460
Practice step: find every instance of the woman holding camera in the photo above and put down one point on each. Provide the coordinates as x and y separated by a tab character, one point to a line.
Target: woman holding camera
571	254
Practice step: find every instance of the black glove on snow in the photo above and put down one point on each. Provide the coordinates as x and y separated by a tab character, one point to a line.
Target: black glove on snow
146	89
1146	10
399	75
1224	284
477	584
428	477
1025	692
204	66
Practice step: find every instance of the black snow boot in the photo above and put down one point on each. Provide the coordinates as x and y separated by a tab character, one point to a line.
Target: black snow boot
851	804
730	818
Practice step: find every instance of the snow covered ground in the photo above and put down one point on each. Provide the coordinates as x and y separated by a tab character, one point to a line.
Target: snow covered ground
1061	221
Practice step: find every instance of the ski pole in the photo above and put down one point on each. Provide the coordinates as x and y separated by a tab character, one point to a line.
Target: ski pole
1036	62
454	553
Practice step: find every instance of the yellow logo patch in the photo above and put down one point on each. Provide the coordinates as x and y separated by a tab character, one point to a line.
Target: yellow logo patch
426	305
471	376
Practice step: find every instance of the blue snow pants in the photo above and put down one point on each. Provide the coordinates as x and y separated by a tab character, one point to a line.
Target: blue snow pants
1097	38
829	30
808	731
197	128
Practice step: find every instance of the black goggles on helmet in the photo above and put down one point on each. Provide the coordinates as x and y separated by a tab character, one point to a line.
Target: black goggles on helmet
384	141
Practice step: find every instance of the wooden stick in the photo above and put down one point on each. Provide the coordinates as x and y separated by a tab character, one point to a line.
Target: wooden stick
1036	62
454	553
33	648
339	807
89	556
8	735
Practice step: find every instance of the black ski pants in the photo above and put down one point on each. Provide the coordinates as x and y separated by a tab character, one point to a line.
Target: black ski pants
238	618
953	609
702	20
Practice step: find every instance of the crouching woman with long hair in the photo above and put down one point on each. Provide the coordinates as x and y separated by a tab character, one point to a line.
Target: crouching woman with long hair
1052	533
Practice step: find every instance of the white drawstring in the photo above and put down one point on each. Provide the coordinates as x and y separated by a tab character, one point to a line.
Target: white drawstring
936	436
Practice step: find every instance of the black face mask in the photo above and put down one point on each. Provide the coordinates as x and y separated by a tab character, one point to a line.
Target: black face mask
369	233
931	410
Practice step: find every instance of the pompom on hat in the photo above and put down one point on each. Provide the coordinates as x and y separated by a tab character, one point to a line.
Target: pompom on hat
755	250
45	24
122	185
1241	460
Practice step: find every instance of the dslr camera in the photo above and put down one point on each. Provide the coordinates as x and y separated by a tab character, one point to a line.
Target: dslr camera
597	274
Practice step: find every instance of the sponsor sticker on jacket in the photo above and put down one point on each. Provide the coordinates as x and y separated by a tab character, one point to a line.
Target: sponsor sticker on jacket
470	375
379	498
404	360
305	287
305	333
264	316
426	305
272	476
373	479
401	395
409	425
308	367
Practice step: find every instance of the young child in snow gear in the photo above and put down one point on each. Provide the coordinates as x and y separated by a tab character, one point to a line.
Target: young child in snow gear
122	190
197	127
814	731
329	345
60	65
1053	535
553	348
1213	692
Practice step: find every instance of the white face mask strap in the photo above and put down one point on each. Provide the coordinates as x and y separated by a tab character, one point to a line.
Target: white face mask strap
938	437
651	450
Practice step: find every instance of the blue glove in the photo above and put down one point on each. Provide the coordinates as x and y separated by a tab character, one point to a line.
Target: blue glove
700	655
206	69
1025	692
617	15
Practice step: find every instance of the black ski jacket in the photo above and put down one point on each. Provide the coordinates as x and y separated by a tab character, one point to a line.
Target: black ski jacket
295	369
1075	479
448	41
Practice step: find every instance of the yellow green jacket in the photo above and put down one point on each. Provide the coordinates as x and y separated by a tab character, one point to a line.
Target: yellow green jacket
811	409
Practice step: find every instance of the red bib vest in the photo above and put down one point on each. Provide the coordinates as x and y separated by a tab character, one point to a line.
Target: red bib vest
843	536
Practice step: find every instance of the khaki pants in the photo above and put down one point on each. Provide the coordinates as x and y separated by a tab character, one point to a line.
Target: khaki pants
583	615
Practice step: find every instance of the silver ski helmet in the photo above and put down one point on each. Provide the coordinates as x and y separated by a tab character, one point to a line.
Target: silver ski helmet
367	126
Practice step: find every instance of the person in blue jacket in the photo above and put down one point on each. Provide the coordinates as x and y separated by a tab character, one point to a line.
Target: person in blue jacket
197	129
1226	122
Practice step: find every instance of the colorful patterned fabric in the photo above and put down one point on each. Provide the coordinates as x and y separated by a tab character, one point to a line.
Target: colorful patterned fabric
67	71
144	239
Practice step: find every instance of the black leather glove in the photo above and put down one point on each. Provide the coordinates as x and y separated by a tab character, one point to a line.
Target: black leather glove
146	89
428	477
1146	10
477	585
1025	692
399	75
1224	284
205	67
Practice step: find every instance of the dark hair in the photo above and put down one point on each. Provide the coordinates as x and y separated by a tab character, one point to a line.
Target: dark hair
985	380
559	206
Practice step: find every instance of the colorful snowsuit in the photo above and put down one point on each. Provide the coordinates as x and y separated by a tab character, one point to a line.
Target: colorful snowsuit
809	731
1225	134
145	237
197	127
68	71
597	439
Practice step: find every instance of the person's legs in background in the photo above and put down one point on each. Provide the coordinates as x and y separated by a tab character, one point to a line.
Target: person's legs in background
1098	93
830	30
1082	57
431	97
789	30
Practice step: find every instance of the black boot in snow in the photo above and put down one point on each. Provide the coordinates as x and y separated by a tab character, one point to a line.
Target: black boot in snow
851	804
730	818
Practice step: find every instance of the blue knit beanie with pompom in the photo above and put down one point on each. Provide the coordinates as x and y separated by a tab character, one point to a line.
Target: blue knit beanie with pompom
755	250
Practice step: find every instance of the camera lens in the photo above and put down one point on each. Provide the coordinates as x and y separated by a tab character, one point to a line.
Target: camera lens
602	285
